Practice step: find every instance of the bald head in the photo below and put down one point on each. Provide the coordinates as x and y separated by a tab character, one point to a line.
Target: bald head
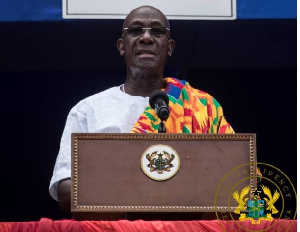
145	42
146	12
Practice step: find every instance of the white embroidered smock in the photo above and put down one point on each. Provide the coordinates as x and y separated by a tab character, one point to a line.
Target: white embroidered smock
110	111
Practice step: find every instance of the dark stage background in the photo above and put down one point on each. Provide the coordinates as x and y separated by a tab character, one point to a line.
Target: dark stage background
249	66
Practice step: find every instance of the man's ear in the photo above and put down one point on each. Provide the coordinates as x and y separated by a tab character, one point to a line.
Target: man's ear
120	46
172	45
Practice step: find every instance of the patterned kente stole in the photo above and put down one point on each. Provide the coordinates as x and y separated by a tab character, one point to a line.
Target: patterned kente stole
191	111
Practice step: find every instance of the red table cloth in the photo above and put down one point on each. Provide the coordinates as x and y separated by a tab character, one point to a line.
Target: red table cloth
48	225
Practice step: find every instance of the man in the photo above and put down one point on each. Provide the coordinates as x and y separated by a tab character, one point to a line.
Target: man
146	46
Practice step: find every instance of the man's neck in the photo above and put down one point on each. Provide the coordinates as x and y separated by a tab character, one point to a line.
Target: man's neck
143	82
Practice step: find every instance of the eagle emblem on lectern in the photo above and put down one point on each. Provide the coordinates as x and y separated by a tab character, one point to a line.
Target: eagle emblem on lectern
160	162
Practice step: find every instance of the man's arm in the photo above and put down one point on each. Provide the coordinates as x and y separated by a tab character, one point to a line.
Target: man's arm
64	195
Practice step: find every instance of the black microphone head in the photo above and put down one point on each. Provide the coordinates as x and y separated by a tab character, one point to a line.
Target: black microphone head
159	101
156	95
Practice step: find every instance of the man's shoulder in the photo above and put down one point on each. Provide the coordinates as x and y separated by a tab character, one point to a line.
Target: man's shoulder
198	92
103	95
177	86
203	96
97	99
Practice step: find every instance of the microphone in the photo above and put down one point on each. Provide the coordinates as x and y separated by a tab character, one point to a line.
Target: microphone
159	101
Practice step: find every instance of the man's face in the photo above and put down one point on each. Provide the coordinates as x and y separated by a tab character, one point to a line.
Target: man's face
146	49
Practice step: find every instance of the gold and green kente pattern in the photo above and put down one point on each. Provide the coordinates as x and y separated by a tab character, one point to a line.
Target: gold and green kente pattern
191	111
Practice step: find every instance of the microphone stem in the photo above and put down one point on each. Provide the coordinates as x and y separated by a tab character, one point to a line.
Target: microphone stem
162	127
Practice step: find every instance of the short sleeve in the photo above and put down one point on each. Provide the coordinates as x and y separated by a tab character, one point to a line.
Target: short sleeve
76	123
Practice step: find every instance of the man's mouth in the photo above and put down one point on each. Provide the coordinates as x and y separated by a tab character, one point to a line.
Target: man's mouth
145	53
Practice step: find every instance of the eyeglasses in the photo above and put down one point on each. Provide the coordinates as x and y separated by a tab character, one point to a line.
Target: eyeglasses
138	31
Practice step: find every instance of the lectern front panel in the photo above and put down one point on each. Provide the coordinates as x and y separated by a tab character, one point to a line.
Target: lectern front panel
159	172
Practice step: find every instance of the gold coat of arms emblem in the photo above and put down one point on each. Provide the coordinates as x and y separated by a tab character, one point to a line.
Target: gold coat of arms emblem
160	162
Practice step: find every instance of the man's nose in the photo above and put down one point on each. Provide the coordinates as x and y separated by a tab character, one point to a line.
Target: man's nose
146	36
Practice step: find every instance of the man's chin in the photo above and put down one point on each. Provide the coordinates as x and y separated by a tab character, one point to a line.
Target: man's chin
146	64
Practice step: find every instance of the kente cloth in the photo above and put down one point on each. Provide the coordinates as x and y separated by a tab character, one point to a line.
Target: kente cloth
191	111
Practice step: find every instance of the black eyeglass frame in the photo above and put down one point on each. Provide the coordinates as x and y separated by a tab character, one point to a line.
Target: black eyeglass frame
146	28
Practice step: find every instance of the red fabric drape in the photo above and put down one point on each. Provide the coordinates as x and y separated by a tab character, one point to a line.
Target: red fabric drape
44	225
189	226
48	225
6	226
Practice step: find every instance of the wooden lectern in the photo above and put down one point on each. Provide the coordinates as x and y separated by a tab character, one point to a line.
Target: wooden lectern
144	174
